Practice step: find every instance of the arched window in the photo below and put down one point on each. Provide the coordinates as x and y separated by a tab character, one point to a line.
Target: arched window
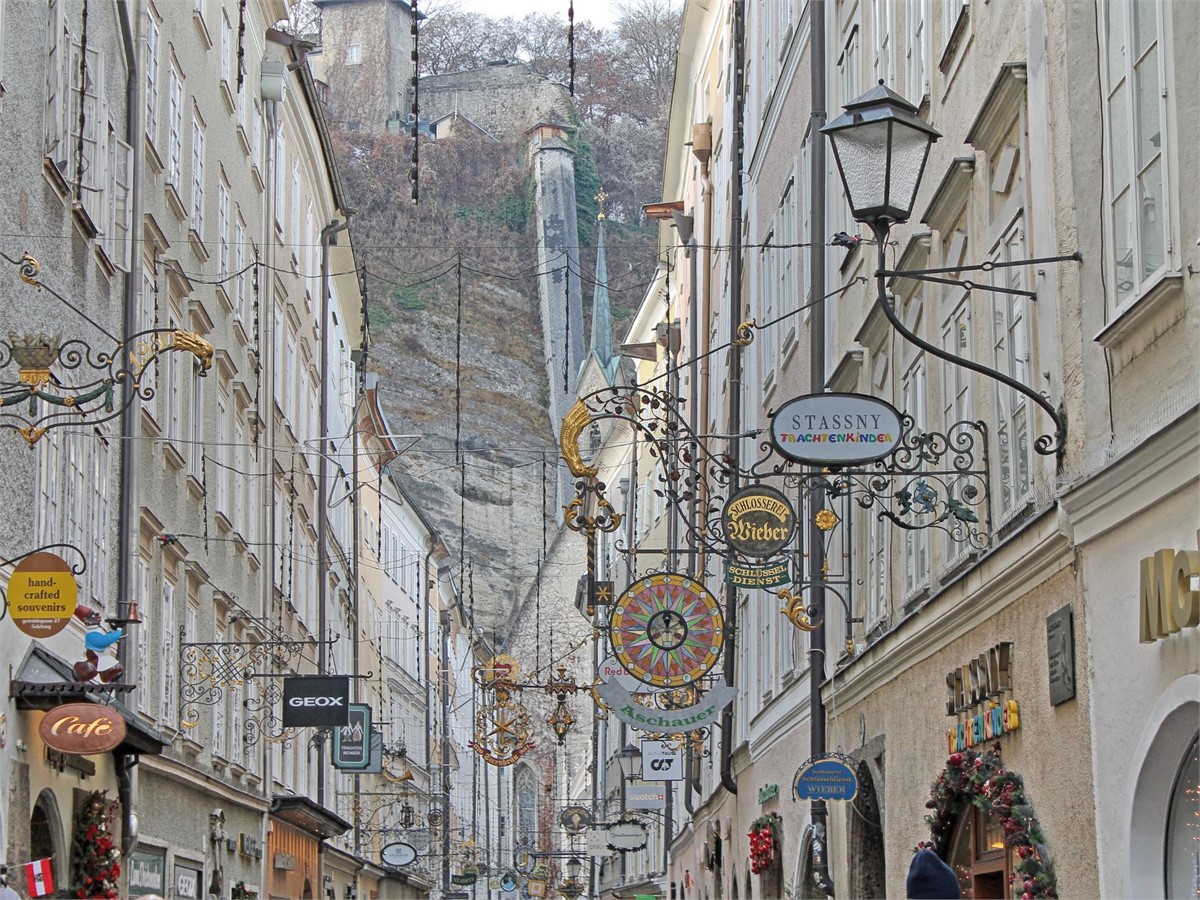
979	856
1183	828
525	788
45	836
868	875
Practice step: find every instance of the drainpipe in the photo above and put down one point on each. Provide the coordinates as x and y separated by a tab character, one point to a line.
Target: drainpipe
126	514
425	662
689	251
816	548
735	367
328	238
444	621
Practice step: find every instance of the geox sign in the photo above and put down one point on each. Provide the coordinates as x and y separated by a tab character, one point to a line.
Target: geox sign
316	700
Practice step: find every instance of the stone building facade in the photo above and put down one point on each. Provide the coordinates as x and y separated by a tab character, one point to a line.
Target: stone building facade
1067	544
366	61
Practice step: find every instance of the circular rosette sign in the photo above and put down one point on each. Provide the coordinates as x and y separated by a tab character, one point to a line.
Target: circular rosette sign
666	630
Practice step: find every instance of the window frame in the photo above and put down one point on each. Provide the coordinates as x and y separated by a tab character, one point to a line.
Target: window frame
1110	86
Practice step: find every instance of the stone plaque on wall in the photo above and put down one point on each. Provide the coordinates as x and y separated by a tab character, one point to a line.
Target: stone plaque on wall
1060	654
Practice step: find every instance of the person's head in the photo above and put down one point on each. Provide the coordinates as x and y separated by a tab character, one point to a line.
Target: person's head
931	879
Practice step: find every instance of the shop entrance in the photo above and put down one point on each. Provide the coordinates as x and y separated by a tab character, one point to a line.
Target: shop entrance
979	855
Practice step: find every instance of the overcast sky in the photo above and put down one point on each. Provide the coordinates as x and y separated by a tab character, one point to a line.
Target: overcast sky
601	13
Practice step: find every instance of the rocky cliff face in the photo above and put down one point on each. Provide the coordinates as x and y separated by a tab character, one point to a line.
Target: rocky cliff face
471	376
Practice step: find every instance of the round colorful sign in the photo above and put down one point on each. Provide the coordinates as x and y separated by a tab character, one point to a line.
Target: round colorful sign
758	521
83	728
825	779
666	630
41	594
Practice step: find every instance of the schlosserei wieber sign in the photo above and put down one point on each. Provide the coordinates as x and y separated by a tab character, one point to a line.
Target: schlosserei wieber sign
836	429
758	521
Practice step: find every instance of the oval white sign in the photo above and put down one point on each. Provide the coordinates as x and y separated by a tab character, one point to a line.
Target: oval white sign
626	835
836	429
399	854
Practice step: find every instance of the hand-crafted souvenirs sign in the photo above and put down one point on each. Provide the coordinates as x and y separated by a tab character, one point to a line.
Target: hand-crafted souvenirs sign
42	594
671	721
316	700
758	521
666	630
83	728
836	429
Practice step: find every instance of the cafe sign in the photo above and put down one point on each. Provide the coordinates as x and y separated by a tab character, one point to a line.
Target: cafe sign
836	429
41	595
758	521
83	728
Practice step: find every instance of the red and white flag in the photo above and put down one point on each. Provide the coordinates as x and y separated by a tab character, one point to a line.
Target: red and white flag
38	878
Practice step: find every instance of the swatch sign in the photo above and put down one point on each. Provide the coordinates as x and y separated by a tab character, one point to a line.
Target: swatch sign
836	429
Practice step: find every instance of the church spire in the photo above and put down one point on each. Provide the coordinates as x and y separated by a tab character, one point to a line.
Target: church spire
602	347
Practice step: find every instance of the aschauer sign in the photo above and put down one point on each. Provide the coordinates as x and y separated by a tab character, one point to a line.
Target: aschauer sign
836	429
671	721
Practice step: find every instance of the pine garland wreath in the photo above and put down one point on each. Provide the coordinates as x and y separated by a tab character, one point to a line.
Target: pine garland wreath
93	854
764	842
978	778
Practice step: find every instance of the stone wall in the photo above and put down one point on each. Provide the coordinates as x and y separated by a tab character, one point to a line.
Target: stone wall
505	99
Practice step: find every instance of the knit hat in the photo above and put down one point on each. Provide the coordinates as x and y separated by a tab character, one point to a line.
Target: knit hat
931	879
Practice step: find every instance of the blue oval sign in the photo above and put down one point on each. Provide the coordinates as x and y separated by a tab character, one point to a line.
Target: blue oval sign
836	429
825	779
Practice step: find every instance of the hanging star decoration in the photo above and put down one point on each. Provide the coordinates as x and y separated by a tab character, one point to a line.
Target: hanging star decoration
502	725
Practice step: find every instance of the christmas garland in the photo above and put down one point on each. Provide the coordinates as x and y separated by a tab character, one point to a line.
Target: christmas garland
764	839
94	857
979	779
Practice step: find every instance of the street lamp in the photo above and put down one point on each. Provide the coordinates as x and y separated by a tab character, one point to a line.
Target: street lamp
572	888
629	758
881	146
880	134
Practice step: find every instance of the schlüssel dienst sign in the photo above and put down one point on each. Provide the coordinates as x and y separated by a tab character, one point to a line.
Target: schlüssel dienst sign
825	779
836	429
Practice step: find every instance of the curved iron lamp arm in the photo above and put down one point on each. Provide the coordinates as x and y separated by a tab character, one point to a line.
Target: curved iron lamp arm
1044	444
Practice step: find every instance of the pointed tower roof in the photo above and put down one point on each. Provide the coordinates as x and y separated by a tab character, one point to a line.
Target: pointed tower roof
602	345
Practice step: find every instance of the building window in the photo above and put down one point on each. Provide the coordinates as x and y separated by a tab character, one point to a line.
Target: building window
1135	114
913	391
153	38
175	128
884	25
168	660
354	54
1183	829
1011	355
877	569
917	20
198	177
525	787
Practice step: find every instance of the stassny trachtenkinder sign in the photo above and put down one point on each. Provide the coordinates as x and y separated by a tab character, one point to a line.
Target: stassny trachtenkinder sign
836	429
